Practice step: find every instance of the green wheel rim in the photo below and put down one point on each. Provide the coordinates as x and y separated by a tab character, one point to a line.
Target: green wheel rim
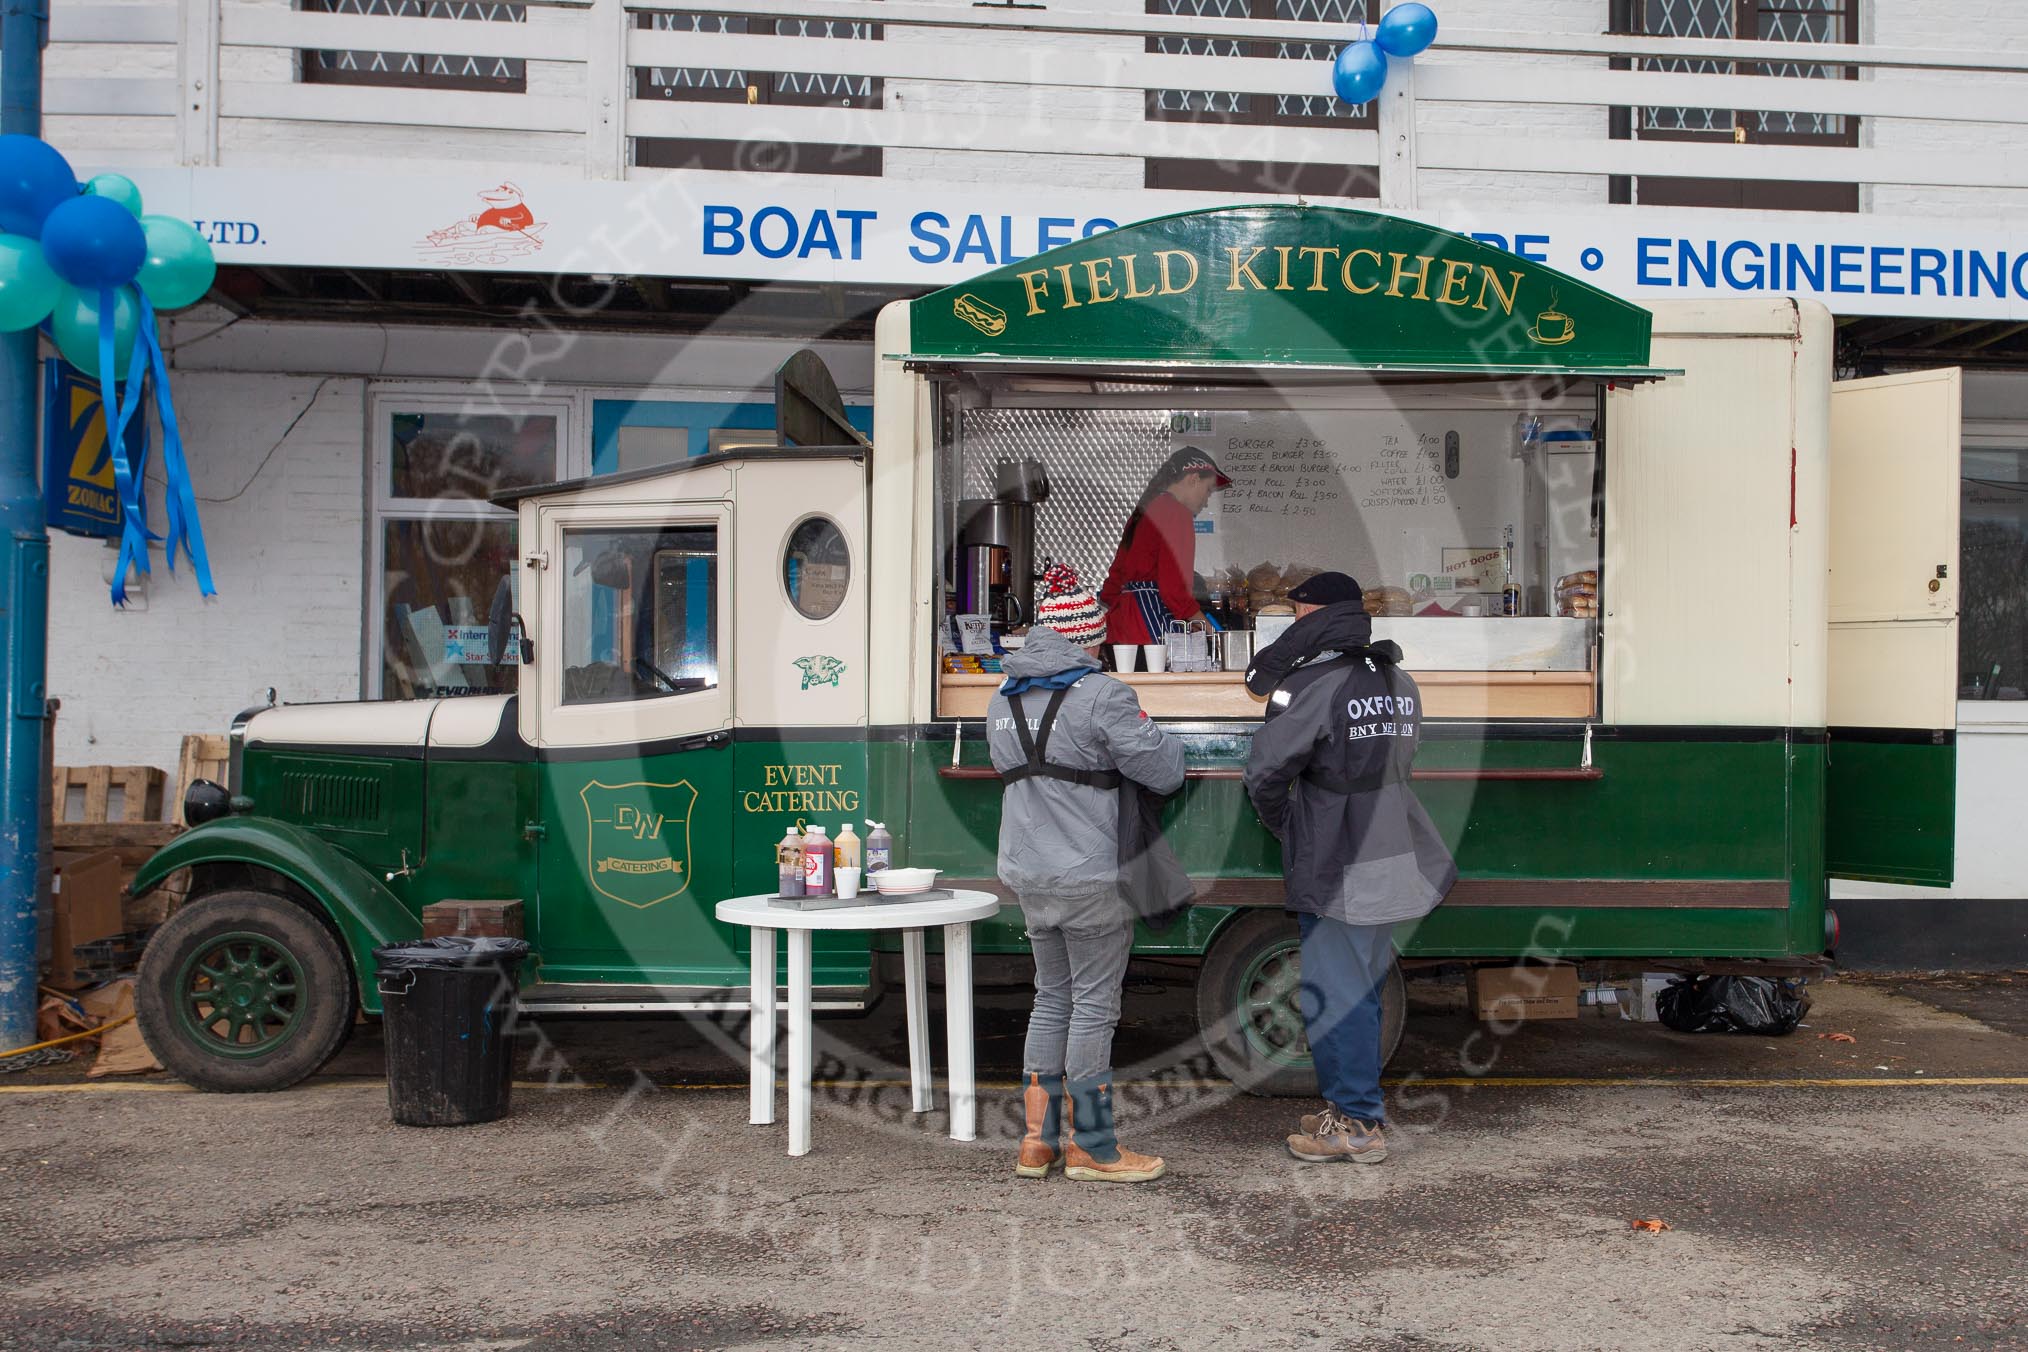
241	994
1270	1008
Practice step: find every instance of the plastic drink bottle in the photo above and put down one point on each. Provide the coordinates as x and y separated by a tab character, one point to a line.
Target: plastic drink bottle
818	862
848	847
789	863
879	847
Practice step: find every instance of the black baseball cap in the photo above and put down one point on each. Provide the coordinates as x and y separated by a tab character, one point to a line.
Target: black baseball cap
1326	589
1194	460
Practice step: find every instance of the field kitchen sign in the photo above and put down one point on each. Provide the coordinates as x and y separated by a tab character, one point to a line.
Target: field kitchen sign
1266	285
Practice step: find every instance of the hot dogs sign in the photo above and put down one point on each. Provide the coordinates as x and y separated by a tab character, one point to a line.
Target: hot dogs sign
1285	284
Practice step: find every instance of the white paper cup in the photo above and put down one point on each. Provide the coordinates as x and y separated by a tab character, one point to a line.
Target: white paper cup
848	883
1157	655
1123	656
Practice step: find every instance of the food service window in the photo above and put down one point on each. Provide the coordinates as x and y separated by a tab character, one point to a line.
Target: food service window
640	613
1471	520
443	554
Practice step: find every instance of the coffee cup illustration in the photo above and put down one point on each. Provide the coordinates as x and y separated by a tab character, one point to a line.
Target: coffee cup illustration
1553	328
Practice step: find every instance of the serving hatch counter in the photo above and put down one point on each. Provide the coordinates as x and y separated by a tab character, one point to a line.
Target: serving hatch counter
1503	667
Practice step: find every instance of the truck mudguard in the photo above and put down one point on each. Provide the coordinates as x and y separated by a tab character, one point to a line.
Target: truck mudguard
366	913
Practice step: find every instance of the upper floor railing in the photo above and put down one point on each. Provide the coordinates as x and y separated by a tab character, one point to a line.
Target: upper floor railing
203	82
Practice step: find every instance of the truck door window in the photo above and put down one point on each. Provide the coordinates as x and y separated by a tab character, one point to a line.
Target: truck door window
640	613
816	568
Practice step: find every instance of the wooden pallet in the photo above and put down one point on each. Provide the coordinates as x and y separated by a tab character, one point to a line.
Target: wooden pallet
139	793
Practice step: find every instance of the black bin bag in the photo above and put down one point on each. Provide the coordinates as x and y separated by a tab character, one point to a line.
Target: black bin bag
1733	1004
447	1006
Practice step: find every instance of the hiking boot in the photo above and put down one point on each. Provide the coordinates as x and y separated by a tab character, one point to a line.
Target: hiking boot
1094	1154
1042	1145
1329	1137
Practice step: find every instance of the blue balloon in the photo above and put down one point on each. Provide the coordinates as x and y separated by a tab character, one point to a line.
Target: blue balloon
1359	71
94	242
34	180
1407	30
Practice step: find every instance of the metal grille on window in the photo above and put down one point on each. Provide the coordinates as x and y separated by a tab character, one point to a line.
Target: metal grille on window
703	84
1825	21
419	70
1219	106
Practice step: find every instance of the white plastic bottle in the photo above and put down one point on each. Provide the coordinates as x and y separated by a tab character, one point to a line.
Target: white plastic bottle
848	847
818	863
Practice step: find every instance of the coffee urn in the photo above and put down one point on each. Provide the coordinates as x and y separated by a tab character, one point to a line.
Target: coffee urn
996	545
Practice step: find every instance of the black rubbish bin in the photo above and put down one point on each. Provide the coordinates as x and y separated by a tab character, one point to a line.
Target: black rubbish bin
446	1007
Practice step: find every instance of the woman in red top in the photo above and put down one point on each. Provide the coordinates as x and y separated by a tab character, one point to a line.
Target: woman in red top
1152	578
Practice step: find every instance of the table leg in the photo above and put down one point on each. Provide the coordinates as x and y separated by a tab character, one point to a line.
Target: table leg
760	1027
958	1030
915	981
799	1042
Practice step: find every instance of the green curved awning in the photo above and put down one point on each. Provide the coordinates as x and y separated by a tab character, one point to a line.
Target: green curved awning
1280	286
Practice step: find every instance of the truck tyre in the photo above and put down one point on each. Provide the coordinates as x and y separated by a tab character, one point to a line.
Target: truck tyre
242	992
1248	1009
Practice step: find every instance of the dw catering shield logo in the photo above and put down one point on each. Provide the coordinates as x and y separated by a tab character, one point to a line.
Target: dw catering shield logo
637	842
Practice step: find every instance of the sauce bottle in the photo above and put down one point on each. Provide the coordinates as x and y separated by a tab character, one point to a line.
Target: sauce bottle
818	862
879	847
848	847
789	864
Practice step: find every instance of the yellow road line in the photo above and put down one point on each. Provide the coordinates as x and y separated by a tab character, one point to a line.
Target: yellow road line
1433	1082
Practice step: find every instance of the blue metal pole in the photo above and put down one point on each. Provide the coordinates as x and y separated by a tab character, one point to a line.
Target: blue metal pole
24	581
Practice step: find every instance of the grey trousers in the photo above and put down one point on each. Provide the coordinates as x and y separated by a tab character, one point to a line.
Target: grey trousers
1081	946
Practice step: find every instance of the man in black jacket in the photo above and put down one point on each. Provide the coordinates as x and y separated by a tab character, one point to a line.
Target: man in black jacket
1329	775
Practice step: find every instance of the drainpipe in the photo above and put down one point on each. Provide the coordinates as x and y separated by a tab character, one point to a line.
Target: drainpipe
24	581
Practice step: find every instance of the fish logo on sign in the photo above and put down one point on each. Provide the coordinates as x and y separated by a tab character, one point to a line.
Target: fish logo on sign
637	841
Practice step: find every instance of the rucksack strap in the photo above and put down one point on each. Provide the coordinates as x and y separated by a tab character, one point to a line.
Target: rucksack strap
1035	746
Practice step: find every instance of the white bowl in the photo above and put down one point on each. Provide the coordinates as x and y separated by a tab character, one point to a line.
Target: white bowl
907	879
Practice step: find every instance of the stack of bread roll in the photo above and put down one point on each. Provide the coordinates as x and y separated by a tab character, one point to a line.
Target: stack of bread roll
1389	601
1577	595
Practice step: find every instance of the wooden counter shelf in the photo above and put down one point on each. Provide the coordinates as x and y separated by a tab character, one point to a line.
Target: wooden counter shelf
1223	694
1526	774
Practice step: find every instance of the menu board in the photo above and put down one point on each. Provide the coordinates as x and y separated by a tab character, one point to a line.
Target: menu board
1381	494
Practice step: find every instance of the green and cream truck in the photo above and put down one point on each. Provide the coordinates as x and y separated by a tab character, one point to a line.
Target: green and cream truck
1681	606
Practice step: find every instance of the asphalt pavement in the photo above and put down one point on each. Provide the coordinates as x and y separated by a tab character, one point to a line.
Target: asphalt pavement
1816	1192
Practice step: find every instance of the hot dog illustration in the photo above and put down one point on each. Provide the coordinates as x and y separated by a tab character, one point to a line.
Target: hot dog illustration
988	319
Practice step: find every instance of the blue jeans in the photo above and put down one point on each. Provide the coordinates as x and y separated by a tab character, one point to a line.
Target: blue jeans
1344	968
1081	945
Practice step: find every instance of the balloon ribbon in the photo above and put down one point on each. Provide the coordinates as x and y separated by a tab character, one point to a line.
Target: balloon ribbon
186	532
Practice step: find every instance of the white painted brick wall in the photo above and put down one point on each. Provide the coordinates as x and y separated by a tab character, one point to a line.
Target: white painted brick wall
285	552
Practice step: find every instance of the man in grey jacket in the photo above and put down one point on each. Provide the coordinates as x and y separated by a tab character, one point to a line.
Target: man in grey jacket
1329	776
1062	734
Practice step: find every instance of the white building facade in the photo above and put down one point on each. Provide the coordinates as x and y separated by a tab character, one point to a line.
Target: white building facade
468	244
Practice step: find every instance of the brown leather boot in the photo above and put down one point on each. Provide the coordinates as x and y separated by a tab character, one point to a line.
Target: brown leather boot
1042	1102
1094	1153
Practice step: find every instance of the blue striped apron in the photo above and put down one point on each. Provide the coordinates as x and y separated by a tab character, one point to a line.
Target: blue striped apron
1154	611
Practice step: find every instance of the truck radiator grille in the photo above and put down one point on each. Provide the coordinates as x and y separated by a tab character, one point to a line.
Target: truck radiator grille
334	799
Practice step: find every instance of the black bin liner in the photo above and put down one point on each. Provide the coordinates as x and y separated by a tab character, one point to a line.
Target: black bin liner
446	1008
1733	1004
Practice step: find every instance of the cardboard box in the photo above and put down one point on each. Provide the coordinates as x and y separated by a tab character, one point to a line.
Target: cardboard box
1535	991
85	907
473	919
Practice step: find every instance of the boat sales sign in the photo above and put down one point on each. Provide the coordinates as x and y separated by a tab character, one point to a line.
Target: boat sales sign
754	227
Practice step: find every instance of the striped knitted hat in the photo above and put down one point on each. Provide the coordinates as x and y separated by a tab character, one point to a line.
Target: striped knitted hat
1068	608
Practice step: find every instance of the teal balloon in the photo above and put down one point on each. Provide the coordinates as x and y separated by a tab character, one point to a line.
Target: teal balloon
179	267
28	286
118	188
74	323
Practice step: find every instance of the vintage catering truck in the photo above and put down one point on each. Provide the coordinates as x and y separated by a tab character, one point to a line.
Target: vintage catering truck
1728	674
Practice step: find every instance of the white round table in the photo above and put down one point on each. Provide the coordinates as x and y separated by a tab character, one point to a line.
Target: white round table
955	913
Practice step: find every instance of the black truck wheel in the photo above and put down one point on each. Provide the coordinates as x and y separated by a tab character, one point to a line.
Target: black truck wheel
1250	1015
242	992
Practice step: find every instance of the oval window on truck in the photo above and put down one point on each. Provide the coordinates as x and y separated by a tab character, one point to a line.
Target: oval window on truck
816	567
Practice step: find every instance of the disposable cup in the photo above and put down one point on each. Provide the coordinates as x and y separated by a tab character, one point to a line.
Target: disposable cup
1123	656
1157	655
848	883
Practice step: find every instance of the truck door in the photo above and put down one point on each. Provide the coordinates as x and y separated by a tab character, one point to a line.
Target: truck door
801	755
633	677
1892	780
